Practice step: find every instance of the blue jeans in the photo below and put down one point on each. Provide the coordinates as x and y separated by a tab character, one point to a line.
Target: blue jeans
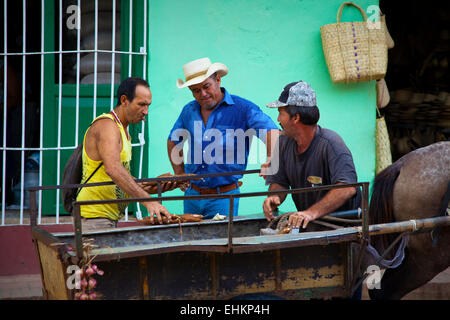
210	207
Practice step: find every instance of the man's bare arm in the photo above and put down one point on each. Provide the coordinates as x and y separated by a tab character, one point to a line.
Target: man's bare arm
108	146
329	203
175	157
332	201
271	139
273	201
107	138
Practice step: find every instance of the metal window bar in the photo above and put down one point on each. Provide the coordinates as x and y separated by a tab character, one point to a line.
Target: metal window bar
130	38
41	149
5	95
77	93
130	49
95	59
73	51
41	122
22	163
113	56
58	157
141	135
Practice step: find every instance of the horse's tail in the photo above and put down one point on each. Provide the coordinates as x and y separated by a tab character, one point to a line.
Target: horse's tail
381	208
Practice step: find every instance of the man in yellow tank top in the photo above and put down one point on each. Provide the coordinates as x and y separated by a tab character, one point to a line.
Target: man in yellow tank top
108	142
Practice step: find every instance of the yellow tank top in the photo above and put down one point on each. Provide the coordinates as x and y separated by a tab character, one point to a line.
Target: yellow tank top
113	211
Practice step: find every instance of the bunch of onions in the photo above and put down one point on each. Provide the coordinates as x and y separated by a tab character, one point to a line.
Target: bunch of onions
87	282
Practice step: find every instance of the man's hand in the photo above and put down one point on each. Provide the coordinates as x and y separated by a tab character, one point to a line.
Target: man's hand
273	201
155	208
330	202
184	186
300	218
264	168
269	205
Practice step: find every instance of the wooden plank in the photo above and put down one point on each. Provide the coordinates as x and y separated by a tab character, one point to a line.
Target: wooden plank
53	273
297	269
143	267
302	278
298	272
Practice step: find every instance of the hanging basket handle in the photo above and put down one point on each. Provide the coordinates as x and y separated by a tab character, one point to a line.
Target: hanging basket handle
339	14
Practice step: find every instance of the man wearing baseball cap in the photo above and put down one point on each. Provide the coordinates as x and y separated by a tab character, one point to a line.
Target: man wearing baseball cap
309	156
213	121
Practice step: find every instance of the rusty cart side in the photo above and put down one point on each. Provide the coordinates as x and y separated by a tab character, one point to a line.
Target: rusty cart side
213	259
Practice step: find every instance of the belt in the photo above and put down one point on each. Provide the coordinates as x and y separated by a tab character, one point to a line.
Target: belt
99	218
221	189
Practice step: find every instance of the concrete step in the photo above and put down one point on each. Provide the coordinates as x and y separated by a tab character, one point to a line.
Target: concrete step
27	286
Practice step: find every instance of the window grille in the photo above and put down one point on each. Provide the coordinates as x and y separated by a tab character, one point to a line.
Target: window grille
62	63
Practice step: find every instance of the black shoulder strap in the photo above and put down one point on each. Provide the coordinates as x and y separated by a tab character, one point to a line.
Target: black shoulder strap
101	163
92	174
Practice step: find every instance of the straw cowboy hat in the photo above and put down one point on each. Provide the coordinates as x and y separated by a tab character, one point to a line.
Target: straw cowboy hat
199	70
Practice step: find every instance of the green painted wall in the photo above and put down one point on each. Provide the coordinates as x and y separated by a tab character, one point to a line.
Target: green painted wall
265	44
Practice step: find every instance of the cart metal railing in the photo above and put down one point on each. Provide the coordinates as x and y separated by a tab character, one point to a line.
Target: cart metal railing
77	204
360	232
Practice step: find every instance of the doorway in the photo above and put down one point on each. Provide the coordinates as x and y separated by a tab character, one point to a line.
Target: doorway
418	113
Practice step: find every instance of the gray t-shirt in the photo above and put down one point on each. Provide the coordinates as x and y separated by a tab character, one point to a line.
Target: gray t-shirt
327	161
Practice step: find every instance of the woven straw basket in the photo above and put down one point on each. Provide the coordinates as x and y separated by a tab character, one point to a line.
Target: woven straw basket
383	96
382	145
354	51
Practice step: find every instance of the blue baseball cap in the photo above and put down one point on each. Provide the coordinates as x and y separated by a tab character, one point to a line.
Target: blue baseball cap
298	94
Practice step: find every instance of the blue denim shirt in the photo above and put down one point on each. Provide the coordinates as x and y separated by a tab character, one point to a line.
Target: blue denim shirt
223	144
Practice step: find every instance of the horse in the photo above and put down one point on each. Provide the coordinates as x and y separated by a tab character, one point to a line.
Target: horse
413	187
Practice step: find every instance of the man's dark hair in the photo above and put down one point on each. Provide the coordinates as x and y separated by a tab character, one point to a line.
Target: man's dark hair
213	76
308	115
128	88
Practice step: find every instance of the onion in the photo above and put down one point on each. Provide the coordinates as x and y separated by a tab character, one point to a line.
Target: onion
84	296
89	271
100	272
77	295
83	283
94	267
92	283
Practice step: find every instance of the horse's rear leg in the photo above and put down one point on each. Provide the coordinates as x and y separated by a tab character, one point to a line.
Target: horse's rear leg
421	264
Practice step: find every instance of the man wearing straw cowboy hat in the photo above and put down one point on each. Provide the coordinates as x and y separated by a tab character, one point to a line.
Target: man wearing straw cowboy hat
309	156
211	123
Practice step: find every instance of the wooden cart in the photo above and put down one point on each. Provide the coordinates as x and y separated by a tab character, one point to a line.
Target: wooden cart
212	259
